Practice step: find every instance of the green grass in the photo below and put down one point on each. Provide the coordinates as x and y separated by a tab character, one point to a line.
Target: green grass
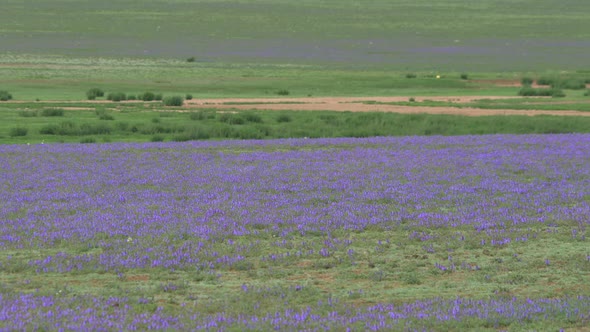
407	34
127	122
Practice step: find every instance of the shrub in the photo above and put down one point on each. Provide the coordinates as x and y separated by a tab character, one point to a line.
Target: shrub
412	99
188	96
158	97
147	96
173	101
28	114
251	117
88	140
116	96
545	81
231	119
191	59
52	112
283	118
411	75
94	93
131	97
106	117
527	91
464	76
157	138
283	92
526	81
5	95
587	93
18	131
570	85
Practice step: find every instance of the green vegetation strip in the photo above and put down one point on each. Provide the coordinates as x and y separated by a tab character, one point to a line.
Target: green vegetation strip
137	122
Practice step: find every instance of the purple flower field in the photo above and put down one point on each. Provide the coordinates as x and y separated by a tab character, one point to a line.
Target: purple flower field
370	234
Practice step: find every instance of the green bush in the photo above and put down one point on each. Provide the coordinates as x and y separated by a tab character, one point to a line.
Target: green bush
464	76
569	84
283	118
251	117
88	140
157	138
94	93
116	96
147	96
173	101
18	131
158	97
131	97
545	81
526	81
191	59
231	119
189	96
283	92
587	93
28	114
5	95
52	112
411	75
528	91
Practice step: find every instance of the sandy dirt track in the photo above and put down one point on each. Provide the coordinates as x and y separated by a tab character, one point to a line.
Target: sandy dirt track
357	104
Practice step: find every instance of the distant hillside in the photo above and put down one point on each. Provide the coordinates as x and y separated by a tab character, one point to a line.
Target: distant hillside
413	34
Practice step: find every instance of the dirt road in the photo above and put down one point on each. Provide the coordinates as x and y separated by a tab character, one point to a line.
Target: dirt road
359	104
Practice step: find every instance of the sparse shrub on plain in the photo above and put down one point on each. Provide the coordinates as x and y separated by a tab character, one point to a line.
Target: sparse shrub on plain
131	97
18	131
411	75
188	96
88	140
569	84
526	81
94	93
283	92
158	97
464	76
283	118
52	112
412	99
251	117
155	120
528	91
587	93
116	96
148	96
28	114
545	81
5	95
231	119
173	101
157	138
106	116
191	59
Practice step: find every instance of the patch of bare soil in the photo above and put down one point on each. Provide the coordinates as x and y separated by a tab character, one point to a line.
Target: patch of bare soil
359	104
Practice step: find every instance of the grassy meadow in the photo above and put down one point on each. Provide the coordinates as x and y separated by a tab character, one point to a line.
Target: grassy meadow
196	218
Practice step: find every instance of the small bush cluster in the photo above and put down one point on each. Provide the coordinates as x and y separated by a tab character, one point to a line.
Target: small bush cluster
117	96
5	95
173	101
52	112
532	92
72	129
283	118
283	92
94	93
411	75
28	114
188	96
587	93
232	119
569	84
526	81
464	76
18	131
147	96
